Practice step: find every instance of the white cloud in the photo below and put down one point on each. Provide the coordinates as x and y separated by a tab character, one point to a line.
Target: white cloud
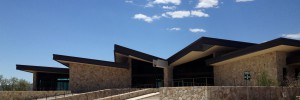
207	3
174	29
243	0
197	30
169	7
145	18
184	13
177	14
128	1
199	13
292	36
175	2
150	4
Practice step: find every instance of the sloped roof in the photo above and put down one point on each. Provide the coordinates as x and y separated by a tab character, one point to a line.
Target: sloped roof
256	48
204	43
130	52
31	68
65	59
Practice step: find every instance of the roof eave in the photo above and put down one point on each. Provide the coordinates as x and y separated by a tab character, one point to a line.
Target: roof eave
65	59
255	48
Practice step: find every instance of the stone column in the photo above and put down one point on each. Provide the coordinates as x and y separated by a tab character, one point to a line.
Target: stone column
168	76
281	63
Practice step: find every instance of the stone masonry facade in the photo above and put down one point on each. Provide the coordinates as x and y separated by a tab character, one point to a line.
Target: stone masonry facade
85	77
231	73
229	93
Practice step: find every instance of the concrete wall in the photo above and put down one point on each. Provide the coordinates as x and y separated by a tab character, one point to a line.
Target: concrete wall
28	95
96	94
228	93
231	74
84	77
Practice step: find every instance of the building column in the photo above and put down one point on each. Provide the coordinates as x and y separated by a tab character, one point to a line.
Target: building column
281	63
34	87
168	76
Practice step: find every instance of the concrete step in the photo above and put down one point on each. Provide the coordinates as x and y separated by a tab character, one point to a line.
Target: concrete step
150	96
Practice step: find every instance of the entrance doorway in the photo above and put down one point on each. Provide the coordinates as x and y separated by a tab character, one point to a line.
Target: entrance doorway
194	73
144	75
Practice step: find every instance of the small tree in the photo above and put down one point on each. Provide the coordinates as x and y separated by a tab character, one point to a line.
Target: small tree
14	84
5	84
22	85
264	80
1	78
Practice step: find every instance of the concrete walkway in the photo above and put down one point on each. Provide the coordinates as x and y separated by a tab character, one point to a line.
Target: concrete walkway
151	96
54	97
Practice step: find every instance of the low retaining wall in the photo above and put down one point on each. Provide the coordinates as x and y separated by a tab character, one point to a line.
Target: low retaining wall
95	94
28	95
229	93
130	94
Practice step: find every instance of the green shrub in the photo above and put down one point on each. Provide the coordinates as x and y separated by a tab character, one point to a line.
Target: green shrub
264	80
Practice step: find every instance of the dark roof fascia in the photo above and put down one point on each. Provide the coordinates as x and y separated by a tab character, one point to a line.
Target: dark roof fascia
42	69
204	43
135	53
59	58
255	48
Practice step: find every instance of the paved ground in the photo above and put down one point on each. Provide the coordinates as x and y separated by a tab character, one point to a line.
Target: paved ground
151	96
54	97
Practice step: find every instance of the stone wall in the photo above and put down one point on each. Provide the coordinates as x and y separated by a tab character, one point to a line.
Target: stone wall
228	93
231	74
29	95
85	77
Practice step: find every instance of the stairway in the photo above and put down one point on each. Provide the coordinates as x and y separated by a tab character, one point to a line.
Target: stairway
132	94
150	96
107	94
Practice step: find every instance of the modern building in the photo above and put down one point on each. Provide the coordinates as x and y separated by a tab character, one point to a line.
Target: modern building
207	61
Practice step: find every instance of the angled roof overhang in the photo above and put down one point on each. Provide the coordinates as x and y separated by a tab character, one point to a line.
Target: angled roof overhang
42	69
122	54
280	44
203	47
66	60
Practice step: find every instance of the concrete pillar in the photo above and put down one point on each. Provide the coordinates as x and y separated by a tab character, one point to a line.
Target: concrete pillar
34	84
168	76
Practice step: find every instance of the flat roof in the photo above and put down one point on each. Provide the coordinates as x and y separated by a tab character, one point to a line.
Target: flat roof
44	69
67	59
256	48
209	42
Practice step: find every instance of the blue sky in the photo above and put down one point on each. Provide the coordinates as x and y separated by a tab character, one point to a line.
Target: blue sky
32	30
